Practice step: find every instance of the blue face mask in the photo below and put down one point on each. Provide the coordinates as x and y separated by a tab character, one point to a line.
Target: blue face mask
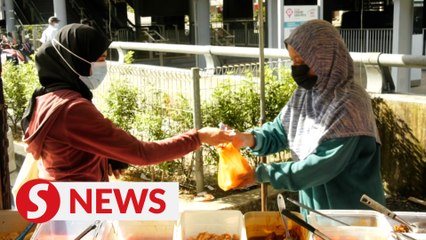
98	69
300	74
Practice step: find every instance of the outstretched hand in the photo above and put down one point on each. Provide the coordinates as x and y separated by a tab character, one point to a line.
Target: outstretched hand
243	139
215	136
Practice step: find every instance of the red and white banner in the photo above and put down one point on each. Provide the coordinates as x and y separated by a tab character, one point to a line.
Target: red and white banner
40	200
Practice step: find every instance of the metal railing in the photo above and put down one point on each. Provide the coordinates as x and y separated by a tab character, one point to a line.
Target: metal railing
376	64
190	88
244	34
368	40
166	91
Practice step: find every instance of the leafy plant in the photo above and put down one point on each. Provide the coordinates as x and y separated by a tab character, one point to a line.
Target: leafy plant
19	83
122	104
239	107
129	57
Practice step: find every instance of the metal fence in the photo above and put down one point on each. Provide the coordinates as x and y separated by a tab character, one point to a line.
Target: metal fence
182	91
179	82
368	40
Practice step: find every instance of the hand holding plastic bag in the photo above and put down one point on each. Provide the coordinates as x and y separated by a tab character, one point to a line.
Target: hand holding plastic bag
233	171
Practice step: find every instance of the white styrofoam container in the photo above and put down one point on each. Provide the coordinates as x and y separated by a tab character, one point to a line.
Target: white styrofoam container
133	230
364	224
193	222
410	217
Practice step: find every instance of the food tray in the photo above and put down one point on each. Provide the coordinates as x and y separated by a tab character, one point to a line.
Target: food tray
410	217
260	225
364	224
69	230
12	224
361	218
144	230
191	223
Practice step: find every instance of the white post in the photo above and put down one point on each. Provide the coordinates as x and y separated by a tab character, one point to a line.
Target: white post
275	23
320	4
402	34
10	17
60	11
201	18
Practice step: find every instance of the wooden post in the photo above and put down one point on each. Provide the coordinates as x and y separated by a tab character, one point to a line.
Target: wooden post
263	186
5	189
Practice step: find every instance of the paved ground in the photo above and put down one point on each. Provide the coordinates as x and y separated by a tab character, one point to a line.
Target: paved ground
421	90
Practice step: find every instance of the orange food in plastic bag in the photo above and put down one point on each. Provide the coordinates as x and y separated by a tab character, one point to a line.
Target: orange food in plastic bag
233	170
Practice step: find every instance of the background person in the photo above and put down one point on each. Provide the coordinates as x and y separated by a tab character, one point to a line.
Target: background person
50	32
86	21
328	124
68	135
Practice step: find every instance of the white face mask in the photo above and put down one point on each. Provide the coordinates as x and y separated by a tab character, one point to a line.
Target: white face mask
99	69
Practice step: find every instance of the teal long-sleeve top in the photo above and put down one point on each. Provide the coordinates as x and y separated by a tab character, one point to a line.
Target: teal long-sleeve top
335	176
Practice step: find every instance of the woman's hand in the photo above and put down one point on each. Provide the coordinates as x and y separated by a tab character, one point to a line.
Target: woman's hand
243	139
116	172
215	136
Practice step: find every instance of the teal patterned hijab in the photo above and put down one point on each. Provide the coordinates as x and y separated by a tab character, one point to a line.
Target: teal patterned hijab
336	106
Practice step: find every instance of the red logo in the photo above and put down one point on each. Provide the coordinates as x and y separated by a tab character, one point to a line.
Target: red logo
38	200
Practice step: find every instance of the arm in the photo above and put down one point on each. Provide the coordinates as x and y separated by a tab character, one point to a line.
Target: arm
87	129
268	139
43	37
330	158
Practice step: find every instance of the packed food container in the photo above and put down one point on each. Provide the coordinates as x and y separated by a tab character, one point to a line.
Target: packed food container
195	225
411	217
12	224
70	230
145	230
192	225
364	225
269	225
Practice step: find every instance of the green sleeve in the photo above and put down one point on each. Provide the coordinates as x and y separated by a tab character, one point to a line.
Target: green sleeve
329	159
270	138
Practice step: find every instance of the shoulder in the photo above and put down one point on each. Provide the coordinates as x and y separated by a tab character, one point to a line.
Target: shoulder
60	98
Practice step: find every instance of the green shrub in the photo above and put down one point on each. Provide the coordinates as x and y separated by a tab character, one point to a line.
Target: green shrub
129	57
239	107
19	83
122	104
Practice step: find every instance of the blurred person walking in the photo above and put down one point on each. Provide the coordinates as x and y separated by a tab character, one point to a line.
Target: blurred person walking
50	32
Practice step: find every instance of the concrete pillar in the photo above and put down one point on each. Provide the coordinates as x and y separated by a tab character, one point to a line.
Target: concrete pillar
200	17
275	23
60	11
402	35
10	17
